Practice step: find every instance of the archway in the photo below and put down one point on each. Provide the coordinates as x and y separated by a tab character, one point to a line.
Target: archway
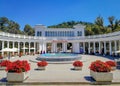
69	47
59	47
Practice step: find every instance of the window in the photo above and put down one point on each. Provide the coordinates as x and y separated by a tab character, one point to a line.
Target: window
37	33
79	33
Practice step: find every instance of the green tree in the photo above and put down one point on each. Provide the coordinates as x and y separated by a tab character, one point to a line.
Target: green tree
28	30
100	24
3	23
111	21
14	27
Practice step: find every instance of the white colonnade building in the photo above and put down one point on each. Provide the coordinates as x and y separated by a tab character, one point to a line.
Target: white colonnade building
61	40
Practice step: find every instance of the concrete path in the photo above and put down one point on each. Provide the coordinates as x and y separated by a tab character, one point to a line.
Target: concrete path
60	74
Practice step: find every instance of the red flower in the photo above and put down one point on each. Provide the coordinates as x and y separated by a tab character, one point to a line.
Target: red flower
42	64
99	66
111	63
78	64
5	63
18	66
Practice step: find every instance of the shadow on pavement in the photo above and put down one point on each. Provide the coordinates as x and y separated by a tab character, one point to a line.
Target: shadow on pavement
3	79
89	78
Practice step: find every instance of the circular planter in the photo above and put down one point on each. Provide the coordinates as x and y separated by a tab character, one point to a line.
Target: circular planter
41	68
77	68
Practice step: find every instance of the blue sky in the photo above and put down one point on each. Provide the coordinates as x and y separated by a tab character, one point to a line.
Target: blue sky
50	12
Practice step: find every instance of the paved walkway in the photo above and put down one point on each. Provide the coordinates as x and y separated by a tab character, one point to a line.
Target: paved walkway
61	73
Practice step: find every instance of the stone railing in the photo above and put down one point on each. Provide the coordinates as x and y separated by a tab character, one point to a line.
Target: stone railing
59	38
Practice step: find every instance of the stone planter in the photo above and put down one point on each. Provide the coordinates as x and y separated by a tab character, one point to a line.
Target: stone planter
17	77
2	68
102	76
77	68
41	68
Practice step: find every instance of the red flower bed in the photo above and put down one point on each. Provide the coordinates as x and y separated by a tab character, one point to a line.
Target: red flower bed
42	64
18	66
5	63
111	63
78	64
99	66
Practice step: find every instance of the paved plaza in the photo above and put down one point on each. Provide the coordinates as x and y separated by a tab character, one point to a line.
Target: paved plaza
60	74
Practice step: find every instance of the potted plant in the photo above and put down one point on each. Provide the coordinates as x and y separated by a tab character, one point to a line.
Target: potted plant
41	65
18	71
100	71
4	64
77	65
112	64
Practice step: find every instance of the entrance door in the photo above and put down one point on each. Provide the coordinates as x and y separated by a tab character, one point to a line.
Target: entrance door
59	47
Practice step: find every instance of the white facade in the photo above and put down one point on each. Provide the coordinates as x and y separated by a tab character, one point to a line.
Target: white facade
61	40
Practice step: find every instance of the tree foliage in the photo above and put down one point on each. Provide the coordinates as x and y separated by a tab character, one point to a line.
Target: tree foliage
95	28
28	30
10	26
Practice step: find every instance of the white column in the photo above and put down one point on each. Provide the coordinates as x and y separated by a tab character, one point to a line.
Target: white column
7	44
44	47
40	47
64	47
110	48
13	46
18	48
115	46
94	47
53	47
84	47
89	47
104	47
76	47
119	45
2	48
99	48
29	47
34	47
24	47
